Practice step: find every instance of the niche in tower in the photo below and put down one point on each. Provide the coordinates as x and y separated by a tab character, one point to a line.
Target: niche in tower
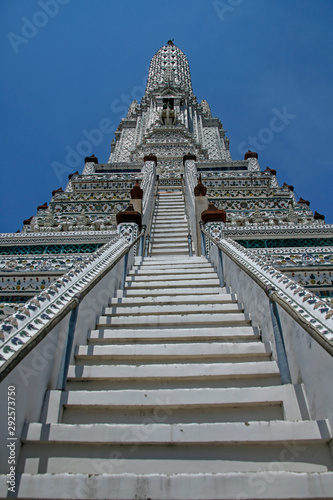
168	114
168	103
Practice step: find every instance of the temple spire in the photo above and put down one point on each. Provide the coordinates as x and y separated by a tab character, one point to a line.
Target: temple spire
169	62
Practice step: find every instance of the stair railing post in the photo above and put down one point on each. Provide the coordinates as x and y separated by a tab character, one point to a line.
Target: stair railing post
123	279
147	245
142	240
145	249
203	240
221	270
282	359
189	237
62	378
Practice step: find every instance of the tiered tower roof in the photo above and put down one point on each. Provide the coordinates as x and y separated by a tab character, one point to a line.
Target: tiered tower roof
169	66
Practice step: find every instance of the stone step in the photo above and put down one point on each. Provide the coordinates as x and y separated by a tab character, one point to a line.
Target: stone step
158	215
186	290
275	484
175	207
218	447
167	216
183	353
167	309
173	220
147	261
252	411
175	245
181	238
168	219
175	204
168	283
169	245
154	262
161	238
179	215
172	241
158	376
171	275
174	403
174	300
170	251
176	371
170	198
167	196
171	209
167	199
221	319
168	237
169	213
174	201
166	226
220	433
180	335
168	230
164	268
143	461
183	229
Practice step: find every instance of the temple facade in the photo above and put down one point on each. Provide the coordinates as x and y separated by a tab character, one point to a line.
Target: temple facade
167	320
168	124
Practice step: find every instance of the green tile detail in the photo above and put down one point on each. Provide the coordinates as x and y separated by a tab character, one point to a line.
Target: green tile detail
286	242
49	249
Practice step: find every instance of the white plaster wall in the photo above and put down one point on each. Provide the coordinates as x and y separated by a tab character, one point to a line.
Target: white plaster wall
309	363
38	371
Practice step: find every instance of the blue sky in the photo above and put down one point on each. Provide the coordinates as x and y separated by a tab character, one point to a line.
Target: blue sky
67	65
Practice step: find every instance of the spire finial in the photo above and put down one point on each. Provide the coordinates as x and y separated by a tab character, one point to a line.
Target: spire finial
170	42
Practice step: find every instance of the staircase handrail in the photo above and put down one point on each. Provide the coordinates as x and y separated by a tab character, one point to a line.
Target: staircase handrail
190	181
150	220
50	307
148	182
278	288
189	232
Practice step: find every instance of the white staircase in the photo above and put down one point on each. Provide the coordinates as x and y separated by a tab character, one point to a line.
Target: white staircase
175	396
169	230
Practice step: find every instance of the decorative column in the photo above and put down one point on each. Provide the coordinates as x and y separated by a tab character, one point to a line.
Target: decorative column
136	197
128	224
253	164
214	221
148	185
89	165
